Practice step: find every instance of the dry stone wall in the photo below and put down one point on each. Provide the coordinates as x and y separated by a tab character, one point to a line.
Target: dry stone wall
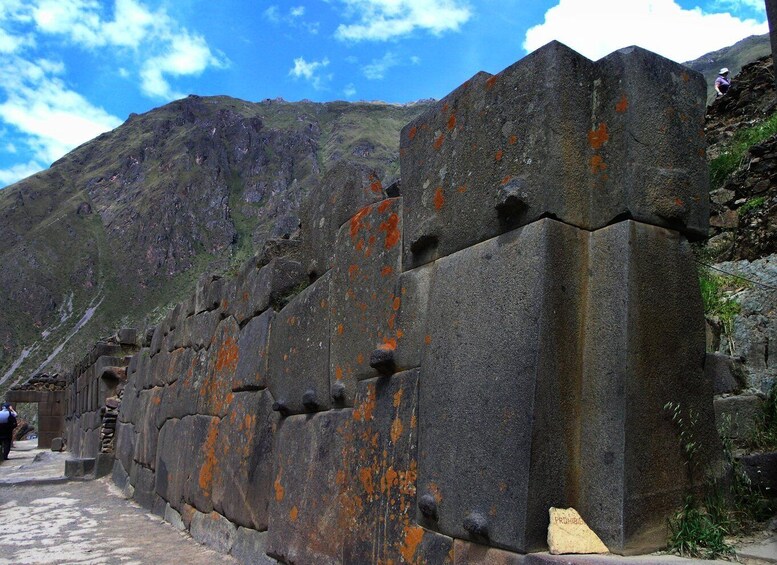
431	371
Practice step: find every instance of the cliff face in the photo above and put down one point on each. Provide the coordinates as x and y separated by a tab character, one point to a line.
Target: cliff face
127	222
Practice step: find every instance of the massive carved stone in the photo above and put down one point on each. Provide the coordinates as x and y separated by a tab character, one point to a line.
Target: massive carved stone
423	376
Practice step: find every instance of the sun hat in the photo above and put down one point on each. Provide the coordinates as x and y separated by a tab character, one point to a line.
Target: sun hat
723	71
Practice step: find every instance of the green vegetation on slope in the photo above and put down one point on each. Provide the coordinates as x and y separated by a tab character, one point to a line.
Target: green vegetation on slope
731	158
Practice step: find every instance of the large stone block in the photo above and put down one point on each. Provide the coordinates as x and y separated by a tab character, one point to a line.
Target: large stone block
198	330
183	397
186	462
502	151
364	303
413	290
306	511
147	428
299	351
216	390
125	444
500	378
249	547
644	348
380	477
213	530
143	487
252	366
257	289
344	189
242	482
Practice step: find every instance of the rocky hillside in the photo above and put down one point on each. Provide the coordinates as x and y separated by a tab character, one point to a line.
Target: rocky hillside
125	224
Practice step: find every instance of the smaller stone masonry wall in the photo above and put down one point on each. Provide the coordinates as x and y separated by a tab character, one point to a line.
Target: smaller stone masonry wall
432	371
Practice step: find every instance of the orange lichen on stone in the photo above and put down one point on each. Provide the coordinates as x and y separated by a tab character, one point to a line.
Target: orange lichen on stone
506	180
452	121
462	189
356	221
439	198
279	490
412	538
398	397
339	373
365	476
396	303
597	164
385	205
438	141
364	412
513	140
389	344
679	202
411	133
156	400
391	229
226	359
293	513
685	76
490	82
622	105
396	430
352	270
499	155
340	329
209	449
427	339
376	186
387	270
599	136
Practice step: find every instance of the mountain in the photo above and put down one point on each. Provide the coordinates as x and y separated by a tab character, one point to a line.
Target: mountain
734	57
125	224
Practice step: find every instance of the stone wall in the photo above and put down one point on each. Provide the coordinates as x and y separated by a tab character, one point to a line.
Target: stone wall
98	377
433	366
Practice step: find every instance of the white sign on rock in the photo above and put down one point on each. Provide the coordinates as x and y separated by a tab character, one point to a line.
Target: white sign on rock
568	533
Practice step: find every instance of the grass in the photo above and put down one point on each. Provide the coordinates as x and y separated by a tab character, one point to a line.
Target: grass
697	532
752	204
733	156
716	293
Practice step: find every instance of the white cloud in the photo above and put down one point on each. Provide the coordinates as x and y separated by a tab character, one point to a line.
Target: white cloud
186	55
310	71
377	68
415	59
297	12
349	91
273	14
53	118
18	172
596	29
381	20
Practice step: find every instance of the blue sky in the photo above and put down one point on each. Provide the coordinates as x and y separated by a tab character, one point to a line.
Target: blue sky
72	69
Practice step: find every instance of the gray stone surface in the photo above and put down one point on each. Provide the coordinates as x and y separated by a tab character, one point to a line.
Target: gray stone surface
306	511
213	530
364	303
142	479
499	383
198	330
57	444
243	476
644	315
736	416
379	470
215	391
249	547
299	351
413	289
259	288
501	151
174	518
725	372
466	553
344	189
78	468
251	370
186	462
762	470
